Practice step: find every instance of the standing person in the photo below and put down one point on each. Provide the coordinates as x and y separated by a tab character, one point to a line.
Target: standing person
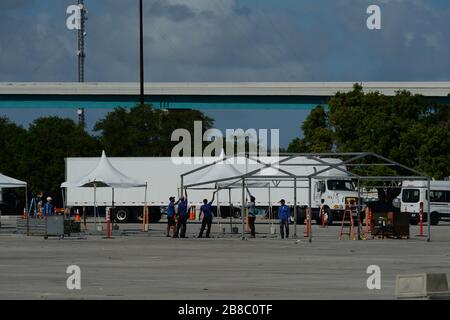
40	205
206	209
251	214
171	224
48	209
283	215
182	217
85	218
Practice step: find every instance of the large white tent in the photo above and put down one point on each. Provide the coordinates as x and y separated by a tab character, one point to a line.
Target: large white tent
222	171
105	175
8	182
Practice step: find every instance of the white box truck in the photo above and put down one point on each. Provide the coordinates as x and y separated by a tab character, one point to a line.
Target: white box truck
163	178
414	194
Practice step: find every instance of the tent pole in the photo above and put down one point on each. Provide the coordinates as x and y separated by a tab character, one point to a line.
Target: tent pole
63	199
113	207
310	209
145	214
295	208
243	209
26	208
219	224
429	209
231	210
182	185
95	204
270	211
359	210
26	200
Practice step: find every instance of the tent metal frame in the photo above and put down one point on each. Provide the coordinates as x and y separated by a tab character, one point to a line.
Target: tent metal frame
282	165
18	186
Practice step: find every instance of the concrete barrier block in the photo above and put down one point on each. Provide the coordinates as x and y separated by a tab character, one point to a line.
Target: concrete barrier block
422	285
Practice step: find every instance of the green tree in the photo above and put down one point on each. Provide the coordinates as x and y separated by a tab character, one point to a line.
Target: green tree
145	131
317	134
48	142
11	145
406	128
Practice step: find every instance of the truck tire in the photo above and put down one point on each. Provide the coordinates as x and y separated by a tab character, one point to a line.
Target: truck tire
330	216
319	217
154	214
301	215
435	217
138	215
122	215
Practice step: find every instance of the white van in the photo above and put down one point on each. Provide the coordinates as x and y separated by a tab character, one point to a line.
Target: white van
415	192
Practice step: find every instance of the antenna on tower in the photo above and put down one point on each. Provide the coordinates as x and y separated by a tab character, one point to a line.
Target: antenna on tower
81	54
81	36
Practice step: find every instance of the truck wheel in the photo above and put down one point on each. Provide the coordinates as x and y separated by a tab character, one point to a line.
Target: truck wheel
318	216
154	214
434	218
330	216
138	215
122	215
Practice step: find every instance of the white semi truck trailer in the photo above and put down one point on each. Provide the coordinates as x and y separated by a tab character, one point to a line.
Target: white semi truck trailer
163	178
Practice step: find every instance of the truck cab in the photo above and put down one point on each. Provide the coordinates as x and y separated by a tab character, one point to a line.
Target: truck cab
335	193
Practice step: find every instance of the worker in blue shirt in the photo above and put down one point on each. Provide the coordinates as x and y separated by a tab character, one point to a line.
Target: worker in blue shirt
171	224
283	215
206	209
48	209
182	217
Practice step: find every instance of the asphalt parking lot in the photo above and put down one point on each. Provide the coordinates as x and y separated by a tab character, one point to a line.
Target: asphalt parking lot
136	265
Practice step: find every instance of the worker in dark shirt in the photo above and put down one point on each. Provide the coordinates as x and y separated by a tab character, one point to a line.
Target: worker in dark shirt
283	215
171	224
182	217
206	209
251	207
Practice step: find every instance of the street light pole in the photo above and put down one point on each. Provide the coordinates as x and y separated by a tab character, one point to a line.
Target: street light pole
141	31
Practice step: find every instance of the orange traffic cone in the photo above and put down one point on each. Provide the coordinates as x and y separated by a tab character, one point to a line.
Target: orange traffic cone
77	217
24	216
307	223
192	214
247	227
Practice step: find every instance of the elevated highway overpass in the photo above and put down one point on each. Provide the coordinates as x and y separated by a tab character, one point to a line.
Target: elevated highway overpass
278	95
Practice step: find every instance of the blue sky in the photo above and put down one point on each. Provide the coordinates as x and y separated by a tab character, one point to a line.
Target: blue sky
228	40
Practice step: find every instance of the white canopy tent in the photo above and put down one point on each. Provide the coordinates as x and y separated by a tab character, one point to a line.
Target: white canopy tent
224	175
8	182
213	175
105	175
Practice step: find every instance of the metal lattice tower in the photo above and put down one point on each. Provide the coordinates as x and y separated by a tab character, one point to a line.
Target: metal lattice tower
81	54
81	36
